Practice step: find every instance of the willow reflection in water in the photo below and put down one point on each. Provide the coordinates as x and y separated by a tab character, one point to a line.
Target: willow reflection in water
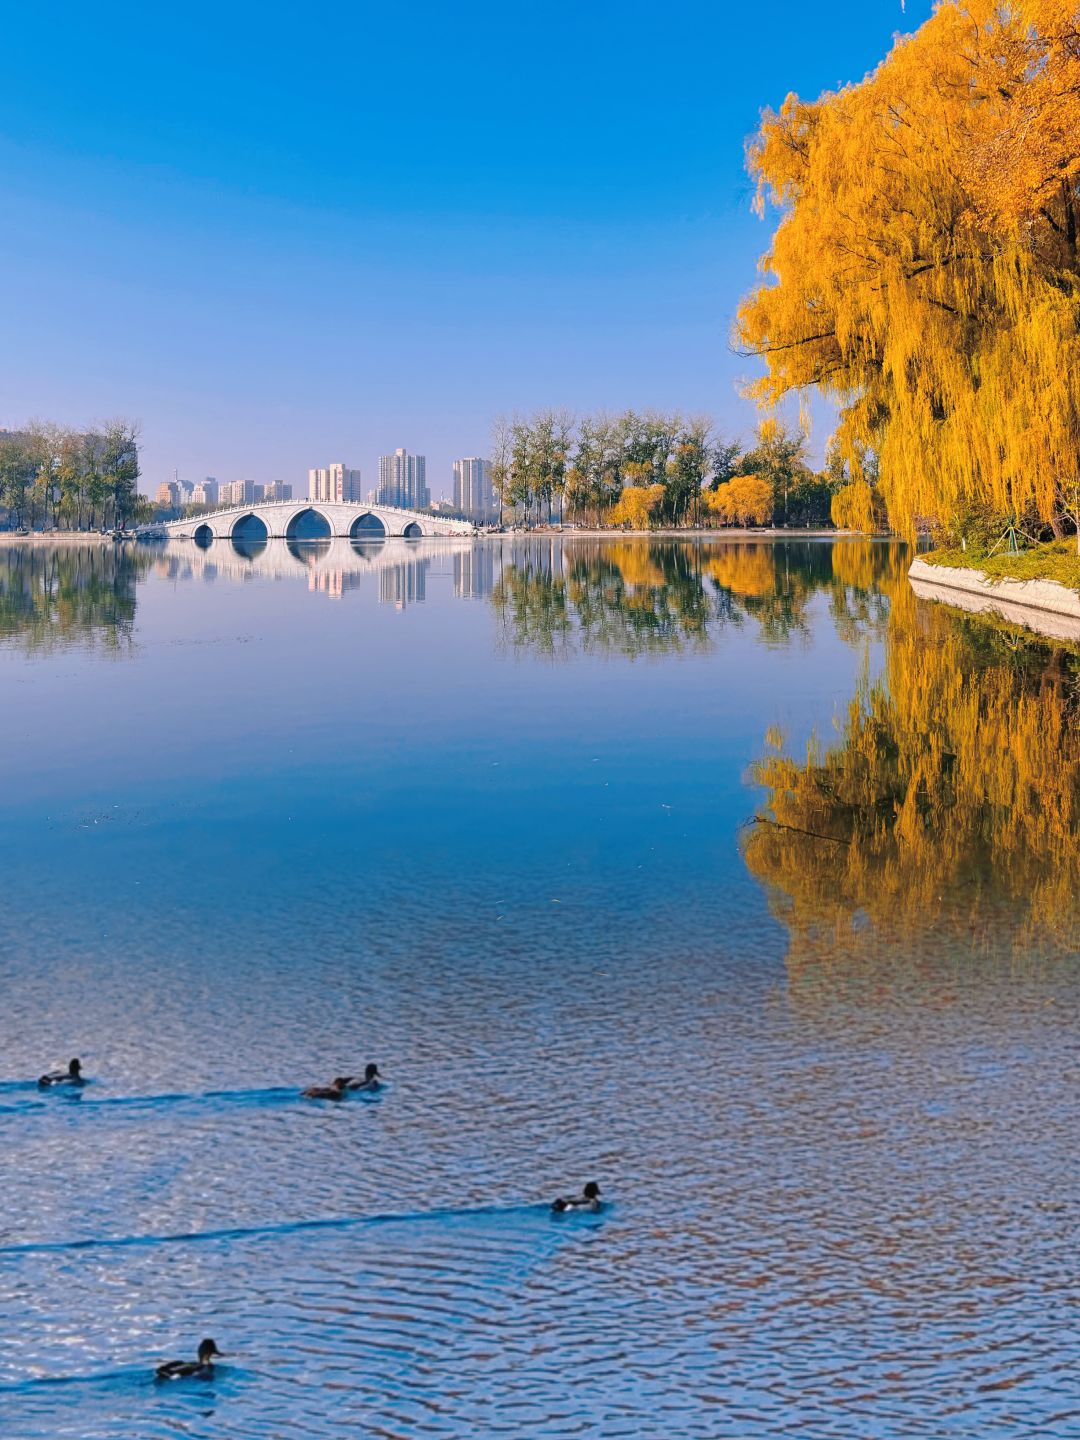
946	821
57	596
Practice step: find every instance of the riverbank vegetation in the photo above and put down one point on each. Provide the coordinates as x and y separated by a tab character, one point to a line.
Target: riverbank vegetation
1057	560
925	271
640	470
53	477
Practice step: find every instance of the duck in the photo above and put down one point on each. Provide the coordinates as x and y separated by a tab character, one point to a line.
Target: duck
372	1079
589	1199
201	1369
71	1076
334	1091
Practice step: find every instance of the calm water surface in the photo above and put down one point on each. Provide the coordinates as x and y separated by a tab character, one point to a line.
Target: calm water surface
728	875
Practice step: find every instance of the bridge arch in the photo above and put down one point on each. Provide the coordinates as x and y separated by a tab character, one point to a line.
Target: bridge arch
249	528
203	536
367	527
412	531
309	524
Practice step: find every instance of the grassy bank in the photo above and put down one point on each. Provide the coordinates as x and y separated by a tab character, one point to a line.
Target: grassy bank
1057	561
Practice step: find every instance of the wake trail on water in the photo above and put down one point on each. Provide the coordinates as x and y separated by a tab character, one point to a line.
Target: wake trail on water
296	1227
76	1101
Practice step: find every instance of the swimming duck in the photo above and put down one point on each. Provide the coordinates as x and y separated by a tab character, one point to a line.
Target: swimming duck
71	1076
589	1199
201	1369
372	1079
334	1091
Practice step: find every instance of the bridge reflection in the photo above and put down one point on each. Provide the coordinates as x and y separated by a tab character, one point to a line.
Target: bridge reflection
334	567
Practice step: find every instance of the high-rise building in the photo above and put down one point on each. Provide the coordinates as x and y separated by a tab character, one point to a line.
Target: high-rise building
239	492
403	481
335	483
205	492
474	494
168	495
275	490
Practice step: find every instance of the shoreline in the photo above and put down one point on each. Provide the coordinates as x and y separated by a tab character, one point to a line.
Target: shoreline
87	537
1043	606
700	532
60	537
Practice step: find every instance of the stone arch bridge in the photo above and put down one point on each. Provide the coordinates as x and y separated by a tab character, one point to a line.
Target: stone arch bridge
312	520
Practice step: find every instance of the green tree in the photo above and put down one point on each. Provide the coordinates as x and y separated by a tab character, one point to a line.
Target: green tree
551	432
16	477
119	456
687	471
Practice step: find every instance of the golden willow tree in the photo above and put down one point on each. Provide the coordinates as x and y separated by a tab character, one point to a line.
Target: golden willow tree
925	272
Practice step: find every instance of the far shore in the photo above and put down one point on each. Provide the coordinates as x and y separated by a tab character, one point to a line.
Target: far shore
702	532
57	537
88	537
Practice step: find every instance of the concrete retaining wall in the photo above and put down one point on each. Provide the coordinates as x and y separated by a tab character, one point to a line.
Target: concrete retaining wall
1041	605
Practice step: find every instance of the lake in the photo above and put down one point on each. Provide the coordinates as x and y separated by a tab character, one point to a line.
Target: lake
728	875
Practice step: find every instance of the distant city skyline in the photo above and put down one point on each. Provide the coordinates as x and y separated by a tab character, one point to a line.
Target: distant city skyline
338	482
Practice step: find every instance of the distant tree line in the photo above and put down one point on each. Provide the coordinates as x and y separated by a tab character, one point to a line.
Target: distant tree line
53	477
640	470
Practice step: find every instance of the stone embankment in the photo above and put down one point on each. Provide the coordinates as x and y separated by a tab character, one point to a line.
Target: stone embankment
1041	605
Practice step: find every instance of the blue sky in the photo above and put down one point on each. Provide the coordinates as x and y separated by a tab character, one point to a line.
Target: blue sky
279	235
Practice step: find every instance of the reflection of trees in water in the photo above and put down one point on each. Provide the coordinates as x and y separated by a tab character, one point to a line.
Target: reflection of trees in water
864	575
641	597
53	596
531	602
634	600
949	812
800	569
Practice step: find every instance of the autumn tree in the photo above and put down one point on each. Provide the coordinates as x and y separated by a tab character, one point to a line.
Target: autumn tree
743	500
778	457
925	272
637	505
853	508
